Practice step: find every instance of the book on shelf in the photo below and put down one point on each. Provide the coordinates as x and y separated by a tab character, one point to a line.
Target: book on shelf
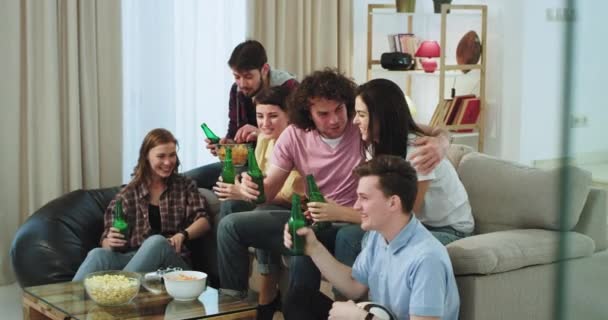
439	114
469	113
454	108
392	47
403	42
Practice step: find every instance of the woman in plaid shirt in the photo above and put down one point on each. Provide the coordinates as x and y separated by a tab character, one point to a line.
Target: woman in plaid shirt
163	209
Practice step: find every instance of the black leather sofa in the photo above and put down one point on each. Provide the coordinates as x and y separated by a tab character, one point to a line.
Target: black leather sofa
50	246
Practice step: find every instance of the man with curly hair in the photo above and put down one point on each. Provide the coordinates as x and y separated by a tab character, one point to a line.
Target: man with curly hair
321	141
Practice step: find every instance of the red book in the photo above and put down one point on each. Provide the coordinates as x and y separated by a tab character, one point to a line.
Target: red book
455	107
470	112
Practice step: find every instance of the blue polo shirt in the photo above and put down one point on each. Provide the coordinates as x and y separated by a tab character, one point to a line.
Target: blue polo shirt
410	275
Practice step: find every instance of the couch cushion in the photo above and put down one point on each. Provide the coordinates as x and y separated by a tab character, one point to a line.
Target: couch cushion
505	195
509	250
213	203
456	152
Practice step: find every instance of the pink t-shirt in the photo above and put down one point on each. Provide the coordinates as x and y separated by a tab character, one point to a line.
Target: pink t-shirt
331	167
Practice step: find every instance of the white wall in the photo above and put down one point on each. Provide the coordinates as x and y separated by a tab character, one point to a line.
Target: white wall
541	91
590	67
525	55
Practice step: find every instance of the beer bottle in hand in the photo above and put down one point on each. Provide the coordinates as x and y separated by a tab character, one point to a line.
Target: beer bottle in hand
209	134
296	221
315	195
228	173
119	221
256	174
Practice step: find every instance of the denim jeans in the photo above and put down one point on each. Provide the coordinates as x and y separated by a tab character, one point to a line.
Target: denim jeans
343	240
154	253
447	234
268	262
261	229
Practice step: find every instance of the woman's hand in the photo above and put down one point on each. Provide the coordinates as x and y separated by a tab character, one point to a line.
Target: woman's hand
114	239
227	191
177	241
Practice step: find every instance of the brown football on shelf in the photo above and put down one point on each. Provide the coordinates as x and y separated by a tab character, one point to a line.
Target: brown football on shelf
469	49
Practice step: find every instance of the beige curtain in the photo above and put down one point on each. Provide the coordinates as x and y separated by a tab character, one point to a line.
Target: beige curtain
61	99
302	36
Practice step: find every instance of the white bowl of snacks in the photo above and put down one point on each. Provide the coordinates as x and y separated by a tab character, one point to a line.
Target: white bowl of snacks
185	285
112	288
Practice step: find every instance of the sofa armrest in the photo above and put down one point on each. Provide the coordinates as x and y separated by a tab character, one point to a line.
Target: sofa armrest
503	251
593	218
50	246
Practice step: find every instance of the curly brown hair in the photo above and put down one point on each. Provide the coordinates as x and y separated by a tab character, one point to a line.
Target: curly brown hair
328	84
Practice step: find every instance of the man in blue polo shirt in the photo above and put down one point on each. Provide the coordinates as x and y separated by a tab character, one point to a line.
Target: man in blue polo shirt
402	266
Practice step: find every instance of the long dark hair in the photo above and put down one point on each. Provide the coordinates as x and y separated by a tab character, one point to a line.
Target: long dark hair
328	84
389	113
142	172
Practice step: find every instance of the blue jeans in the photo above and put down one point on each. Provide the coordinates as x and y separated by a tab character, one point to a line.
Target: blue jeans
447	234
261	229
343	240
154	253
267	261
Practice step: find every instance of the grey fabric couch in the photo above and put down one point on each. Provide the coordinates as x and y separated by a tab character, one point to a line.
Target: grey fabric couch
508	269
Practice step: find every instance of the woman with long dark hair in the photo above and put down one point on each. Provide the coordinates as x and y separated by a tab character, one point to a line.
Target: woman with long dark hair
163	210
387	127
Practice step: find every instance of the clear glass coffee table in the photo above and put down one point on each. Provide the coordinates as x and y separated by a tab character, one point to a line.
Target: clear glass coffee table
69	300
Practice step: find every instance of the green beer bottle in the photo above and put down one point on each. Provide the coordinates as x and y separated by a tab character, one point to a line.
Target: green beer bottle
255	173
315	195
209	134
296	221
119	221
228	173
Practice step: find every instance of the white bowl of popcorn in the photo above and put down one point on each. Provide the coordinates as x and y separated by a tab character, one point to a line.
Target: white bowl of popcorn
185	285
112	288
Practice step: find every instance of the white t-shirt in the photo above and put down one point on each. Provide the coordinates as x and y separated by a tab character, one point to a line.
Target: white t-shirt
446	202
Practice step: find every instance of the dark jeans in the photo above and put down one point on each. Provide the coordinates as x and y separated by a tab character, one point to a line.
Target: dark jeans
445	235
261	229
307	304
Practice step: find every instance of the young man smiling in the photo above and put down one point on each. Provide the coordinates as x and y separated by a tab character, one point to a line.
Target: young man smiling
251	71
401	266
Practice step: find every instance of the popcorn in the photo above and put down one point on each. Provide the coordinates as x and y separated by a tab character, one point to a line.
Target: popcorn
111	289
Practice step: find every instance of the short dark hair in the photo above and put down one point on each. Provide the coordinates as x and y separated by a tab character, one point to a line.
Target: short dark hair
248	55
274	95
388	110
328	84
395	177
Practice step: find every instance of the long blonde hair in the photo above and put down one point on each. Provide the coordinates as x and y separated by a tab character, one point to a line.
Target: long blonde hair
142	172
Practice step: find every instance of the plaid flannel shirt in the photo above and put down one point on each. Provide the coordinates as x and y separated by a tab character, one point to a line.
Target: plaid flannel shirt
180	205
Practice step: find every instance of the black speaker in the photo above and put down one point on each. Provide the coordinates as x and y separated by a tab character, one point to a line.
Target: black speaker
397	61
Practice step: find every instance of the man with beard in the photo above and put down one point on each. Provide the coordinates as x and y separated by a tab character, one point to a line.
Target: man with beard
251	71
